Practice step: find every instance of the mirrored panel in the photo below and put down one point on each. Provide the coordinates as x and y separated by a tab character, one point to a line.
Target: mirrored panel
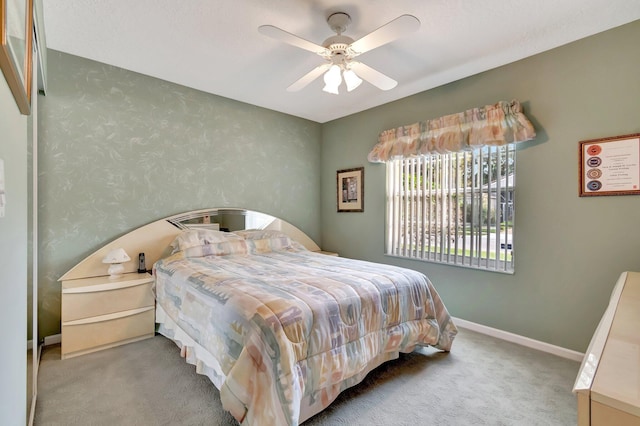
227	220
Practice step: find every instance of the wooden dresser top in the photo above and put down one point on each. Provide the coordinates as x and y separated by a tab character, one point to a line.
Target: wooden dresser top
617	380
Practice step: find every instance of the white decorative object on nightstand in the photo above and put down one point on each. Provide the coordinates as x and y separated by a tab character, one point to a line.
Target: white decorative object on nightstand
115	259
101	312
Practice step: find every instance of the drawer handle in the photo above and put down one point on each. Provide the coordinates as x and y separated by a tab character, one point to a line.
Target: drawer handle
107	286
108	317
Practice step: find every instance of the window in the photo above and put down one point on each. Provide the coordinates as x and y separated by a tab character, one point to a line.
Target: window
455	208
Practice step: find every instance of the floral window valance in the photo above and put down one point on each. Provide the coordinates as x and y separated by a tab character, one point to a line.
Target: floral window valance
494	125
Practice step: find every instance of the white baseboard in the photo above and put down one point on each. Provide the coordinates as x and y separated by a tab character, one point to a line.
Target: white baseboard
459	322
520	340
53	340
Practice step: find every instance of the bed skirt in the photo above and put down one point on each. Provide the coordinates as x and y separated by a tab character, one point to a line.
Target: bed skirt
193	353
207	365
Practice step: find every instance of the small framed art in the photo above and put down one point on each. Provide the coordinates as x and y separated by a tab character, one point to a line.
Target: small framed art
350	189
610	166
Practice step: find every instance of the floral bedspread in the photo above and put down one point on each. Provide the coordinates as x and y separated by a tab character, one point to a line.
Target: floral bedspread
289	328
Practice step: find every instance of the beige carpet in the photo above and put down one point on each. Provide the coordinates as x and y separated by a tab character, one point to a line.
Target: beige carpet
482	381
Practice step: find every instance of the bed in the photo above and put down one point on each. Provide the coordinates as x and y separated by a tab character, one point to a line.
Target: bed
279	327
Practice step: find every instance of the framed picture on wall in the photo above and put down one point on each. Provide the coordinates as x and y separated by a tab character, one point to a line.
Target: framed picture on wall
16	38
610	166
350	190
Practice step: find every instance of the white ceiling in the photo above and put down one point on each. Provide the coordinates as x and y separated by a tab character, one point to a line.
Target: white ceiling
214	45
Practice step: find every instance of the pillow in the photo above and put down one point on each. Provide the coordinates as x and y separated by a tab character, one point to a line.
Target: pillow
232	246
265	245
200	237
260	234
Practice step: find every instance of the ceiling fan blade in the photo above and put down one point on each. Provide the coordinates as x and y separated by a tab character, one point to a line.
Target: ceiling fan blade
374	77
308	78
294	40
387	33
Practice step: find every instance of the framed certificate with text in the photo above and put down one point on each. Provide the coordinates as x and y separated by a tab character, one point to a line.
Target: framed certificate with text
610	166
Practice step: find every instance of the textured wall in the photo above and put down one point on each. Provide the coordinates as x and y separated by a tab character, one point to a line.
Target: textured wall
115	147
119	150
569	251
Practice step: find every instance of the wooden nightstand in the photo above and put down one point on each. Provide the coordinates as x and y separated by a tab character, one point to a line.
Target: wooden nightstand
100	313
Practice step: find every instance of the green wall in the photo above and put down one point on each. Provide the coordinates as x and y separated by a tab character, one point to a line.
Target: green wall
569	250
13	261
118	150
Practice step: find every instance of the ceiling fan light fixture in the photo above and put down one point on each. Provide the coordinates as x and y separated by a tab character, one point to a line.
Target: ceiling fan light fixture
332	80
351	79
339	50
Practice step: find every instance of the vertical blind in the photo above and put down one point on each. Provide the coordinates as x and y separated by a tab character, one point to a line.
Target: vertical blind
455	208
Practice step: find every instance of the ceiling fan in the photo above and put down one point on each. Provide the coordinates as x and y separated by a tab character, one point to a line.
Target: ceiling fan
339	52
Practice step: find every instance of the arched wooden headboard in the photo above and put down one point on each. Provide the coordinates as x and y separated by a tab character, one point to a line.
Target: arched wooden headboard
154	238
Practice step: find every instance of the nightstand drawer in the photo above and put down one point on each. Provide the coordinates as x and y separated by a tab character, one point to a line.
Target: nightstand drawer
78	305
93	334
